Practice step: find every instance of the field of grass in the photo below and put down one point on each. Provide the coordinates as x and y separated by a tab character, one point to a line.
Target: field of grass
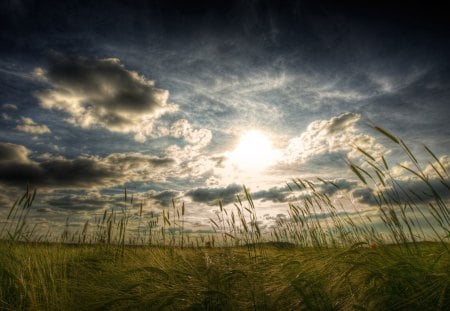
63	277
344	261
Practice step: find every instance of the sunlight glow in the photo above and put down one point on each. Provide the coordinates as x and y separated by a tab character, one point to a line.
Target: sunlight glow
254	152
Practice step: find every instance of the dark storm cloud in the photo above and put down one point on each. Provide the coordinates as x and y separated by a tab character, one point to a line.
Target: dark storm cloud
105	83
411	189
333	186
275	194
292	192
81	202
17	169
164	198
213	195
414	192
365	195
101	92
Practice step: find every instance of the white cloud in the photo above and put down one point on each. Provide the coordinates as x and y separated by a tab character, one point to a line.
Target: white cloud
183	129
338	134
27	125
192	160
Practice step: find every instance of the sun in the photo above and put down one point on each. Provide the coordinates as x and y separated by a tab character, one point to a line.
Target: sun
254	152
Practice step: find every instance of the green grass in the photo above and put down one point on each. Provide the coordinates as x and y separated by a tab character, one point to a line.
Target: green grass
396	260
64	277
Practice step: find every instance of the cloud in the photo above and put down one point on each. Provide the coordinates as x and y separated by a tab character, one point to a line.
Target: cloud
164	198
409	188
365	195
27	125
275	194
102	93
212	195
416	192
9	106
336	135
279	194
323	162
137	166
17	169
190	163
291	193
183	129
12	153
330	187
88	202
39	74
55	172
192	160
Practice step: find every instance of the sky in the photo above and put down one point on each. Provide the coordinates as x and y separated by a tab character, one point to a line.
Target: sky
191	100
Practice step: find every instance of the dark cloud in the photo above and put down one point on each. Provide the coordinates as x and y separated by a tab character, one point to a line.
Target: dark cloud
81	202
105	83
133	160
365	195
340	123
292	192
17	169
101	92
275	194
410	189
332	186
213	195
414	192
164	198
162	161
55	172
